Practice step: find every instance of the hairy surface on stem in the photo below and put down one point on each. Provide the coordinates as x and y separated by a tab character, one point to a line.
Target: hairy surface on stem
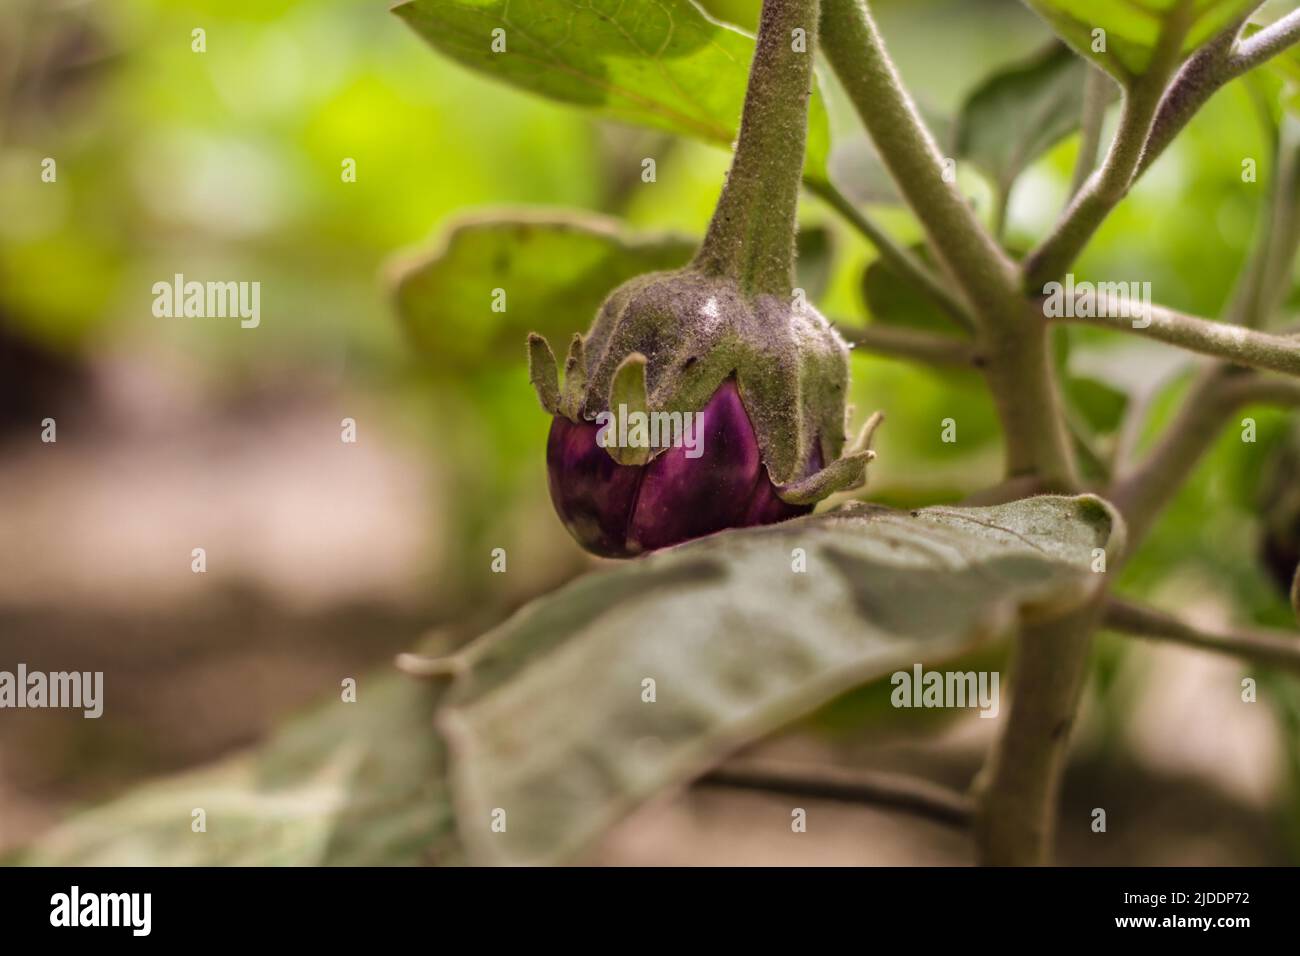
1095	87
1242	346
1110	184
1209	70
857	53
1019	370
1217	394
751	236
1017	790
906	264
1274	647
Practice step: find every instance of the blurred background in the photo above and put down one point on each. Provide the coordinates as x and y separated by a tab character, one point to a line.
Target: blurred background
326	558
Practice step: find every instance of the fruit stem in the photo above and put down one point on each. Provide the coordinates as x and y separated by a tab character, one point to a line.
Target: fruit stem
751	236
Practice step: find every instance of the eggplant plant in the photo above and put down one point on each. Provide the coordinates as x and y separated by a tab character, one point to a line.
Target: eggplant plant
738	608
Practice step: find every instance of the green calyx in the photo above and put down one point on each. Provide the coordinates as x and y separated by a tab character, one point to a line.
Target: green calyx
668	340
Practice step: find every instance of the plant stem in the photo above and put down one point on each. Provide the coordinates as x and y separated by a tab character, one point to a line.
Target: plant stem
904	343
921	797
1217	394
854	47
924	347
1244	307
1241	346
1109	185
1209	70
1267	43
1275	647
1096	86
1016	791
1197	80
1019	372
1284	229
751	235
904	263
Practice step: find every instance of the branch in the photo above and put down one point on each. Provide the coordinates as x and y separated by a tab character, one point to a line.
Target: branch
857	53
1267	646
1020	371
1096	86
1266	44
1017	790
1109	185
916	795
1218	394
903	343
751	236
1208	71
904	263
1233	343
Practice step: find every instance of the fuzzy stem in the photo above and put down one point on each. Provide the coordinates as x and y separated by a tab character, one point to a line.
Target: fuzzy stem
857	53
1110	184
1016	791
904	343
1218	394
1283	224
1208	71
1277	647
901	260
1267	43
1245	305
1198	79
751	236
913	794
1096	86
1019	371
1242	346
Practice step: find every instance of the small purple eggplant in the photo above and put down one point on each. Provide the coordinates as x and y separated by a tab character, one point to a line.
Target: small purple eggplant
726	343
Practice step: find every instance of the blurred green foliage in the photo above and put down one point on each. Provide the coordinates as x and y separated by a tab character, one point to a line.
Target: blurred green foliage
227	164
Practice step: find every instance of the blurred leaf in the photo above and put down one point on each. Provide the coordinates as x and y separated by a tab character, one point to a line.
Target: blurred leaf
555	270
1101	406
815	260
354	784
1133	27
1295	593
660	63
892	300
1020	112
547	721
858	170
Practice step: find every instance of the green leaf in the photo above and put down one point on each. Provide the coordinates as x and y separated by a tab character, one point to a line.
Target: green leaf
893	300
660	63
554	270
1133	27
1101	406
547	720
815	260
357	784
858	170
1020	112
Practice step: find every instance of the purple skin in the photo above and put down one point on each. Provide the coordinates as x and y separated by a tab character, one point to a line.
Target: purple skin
619	511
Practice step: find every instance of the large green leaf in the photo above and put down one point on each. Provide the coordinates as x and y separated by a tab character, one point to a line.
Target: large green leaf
858	170
548	729
1020	112
660	63
1134	27
555	272
357	783
893	300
